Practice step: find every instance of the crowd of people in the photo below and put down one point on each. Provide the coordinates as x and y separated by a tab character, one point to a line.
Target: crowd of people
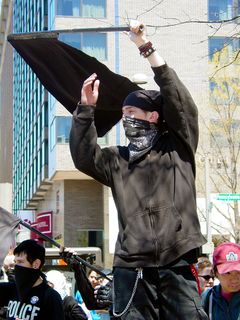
31	294
157	272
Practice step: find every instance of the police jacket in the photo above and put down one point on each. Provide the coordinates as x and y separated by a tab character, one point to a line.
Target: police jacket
155	195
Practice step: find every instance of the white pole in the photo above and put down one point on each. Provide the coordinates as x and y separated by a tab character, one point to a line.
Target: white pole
207	197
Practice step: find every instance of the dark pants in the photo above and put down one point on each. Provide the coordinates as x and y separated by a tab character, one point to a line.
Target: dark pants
162	294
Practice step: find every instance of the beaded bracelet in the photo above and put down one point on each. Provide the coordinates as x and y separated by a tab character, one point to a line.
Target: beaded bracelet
146	49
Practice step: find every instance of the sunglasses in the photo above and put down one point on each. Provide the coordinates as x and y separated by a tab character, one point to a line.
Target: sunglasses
207	277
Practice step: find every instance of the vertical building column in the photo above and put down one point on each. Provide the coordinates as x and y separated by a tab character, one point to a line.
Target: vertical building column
107	257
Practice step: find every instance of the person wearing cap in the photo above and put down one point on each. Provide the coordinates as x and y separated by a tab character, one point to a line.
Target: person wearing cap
153	185
223	300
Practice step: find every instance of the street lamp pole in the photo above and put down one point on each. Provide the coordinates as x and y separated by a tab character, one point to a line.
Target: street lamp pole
208	248
207	200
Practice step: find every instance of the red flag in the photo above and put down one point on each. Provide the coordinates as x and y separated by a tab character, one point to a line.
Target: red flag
8	228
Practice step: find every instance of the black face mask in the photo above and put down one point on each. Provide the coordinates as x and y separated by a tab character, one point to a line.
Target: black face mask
25	279
135	127
142	134
11	275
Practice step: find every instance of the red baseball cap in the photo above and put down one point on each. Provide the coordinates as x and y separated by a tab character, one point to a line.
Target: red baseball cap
226	257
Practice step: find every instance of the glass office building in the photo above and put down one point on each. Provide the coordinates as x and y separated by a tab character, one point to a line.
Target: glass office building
30	117
44	177
38	127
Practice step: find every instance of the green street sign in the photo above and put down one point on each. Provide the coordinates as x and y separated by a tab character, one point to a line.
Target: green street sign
228	196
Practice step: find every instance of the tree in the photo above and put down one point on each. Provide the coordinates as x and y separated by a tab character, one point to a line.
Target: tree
223	127
220	19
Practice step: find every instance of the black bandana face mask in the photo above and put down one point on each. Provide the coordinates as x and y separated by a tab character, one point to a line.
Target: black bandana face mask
25	279
142	134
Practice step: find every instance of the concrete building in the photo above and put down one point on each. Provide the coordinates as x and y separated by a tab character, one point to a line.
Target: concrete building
44	177
5	108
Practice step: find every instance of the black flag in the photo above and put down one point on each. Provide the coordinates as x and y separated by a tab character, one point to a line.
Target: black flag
8	228
62	70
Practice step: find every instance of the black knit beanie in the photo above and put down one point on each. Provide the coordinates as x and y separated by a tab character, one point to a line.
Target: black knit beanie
148	100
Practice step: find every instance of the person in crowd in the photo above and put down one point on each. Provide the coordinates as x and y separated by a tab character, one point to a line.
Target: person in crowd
91	295
8	267
222	301
30	297
72	310
94	280
205	273
153	185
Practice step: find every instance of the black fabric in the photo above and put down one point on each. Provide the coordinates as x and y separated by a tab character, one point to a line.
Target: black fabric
104	295
25	279
84	287
72	310
43	303
148	100
10	275
162	294
62	70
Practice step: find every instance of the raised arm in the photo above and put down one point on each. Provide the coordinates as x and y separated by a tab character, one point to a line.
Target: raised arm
87	155
137	35
179	110
89	92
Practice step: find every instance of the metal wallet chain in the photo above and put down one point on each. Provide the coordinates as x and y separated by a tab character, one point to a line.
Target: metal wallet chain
139	276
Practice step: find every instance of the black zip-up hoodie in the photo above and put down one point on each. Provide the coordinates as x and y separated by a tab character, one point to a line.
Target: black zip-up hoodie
155	196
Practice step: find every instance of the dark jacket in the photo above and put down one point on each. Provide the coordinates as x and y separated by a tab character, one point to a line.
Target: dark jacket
221	309
42	302
72	310
155	196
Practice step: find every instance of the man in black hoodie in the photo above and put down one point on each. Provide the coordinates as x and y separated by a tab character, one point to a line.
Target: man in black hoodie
153	185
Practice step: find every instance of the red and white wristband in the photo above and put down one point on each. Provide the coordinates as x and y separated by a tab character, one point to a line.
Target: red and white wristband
146	49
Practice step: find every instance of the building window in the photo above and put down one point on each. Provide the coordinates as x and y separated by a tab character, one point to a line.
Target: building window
60	131
225	92
82	8
103	141
90	238
216	44
222	9
63	125
52	134
93	44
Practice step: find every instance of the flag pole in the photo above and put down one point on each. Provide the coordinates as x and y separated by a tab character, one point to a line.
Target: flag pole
56	244
55	33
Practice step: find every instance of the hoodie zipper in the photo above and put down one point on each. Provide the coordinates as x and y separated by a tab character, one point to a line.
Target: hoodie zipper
151	213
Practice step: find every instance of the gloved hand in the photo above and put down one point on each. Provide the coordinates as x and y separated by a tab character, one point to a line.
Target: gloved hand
68	256
104	295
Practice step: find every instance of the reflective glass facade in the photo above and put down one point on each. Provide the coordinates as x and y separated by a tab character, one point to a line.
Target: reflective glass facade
60	131
30	119
82	8
223	9
92	43
215	44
